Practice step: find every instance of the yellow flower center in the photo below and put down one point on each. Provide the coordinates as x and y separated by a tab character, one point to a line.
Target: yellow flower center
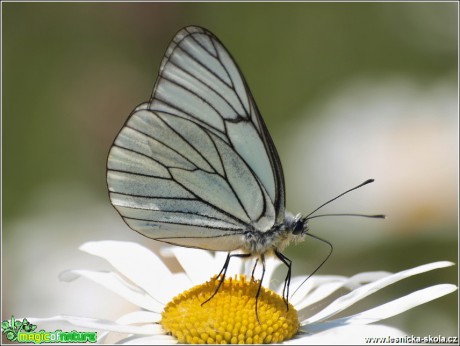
230	316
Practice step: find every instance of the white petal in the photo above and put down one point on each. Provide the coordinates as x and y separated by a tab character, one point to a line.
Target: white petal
314	283
271	264
389	309
349	299
328	288
139	317
149	340
133	317
118	285
320	293
138	264
359	279
236	265
180	282
249	267
349	335
199	265
220	257
97	324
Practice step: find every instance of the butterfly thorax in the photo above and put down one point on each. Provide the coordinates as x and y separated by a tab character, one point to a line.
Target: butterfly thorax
293	229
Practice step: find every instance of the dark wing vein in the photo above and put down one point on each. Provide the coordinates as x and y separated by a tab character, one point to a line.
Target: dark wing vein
212	176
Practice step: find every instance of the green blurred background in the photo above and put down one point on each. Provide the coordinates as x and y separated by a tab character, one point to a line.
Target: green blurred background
349	91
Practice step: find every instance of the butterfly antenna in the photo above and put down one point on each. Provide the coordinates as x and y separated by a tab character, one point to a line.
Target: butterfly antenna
331	248
379	216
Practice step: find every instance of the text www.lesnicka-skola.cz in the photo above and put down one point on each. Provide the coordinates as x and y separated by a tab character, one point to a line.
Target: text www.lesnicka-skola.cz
412	339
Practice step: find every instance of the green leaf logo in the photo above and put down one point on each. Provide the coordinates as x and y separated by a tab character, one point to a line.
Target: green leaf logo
12	327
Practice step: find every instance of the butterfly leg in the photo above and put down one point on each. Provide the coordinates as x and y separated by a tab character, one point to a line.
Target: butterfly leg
254	269
287	280
262	260
223	272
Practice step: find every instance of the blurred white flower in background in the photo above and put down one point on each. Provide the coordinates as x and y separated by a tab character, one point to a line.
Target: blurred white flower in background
402	134
44	242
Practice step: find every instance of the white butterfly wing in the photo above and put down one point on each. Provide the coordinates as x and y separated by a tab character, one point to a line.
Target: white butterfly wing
196	165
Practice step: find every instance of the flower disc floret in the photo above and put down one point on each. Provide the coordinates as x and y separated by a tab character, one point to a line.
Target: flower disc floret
230	316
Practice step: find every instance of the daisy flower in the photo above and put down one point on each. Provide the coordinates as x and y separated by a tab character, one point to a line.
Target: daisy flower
172	310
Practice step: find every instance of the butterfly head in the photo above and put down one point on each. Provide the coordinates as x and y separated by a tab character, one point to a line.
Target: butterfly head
297	227
300	227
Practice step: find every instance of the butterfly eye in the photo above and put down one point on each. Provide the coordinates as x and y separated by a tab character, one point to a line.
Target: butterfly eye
300	227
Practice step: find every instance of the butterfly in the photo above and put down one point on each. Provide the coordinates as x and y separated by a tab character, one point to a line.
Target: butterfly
196	166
